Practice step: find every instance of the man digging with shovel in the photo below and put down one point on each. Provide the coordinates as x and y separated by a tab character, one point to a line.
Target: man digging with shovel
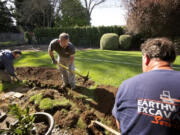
65	51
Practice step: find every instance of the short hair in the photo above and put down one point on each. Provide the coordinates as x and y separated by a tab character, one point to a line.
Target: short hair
161	48
17	52
64	36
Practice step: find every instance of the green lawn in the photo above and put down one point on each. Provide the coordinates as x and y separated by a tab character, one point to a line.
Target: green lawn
105	67
9	43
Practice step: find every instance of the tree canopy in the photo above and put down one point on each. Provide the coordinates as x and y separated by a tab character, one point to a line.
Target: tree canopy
154	17
34	13
72	13
6	21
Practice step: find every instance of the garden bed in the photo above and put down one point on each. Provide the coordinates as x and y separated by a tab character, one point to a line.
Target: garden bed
74	109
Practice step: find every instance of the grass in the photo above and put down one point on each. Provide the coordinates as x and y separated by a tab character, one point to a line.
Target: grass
36	98
7	43
6	85
105	66
102	72
81	124
47	103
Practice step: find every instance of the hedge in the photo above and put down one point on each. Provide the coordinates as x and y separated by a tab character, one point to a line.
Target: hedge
80	36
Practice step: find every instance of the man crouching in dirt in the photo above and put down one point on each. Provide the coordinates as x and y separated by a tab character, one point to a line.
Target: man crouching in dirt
65	51
6	65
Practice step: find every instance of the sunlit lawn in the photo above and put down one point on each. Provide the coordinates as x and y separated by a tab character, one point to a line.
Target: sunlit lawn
105	67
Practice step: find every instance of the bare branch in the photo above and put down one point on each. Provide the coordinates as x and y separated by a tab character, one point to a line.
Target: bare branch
91	4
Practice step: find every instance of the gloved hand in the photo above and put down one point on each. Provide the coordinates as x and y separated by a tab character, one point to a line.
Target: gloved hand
54	61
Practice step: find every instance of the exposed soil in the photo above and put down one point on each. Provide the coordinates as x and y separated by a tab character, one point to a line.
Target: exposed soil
48	81
41	128
45	77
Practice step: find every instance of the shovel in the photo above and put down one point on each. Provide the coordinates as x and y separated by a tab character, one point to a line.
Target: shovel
86	78
104	126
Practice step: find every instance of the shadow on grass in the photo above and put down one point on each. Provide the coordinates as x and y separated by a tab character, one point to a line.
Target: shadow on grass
102	60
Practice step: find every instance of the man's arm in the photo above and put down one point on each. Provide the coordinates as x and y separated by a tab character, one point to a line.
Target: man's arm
117	105
71	59
51	54
9	67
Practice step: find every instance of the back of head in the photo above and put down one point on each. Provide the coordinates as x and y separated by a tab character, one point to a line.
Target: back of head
161	48
64	36
17	52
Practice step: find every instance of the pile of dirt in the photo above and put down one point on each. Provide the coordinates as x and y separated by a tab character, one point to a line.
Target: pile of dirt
45	77
48	81
50	78
105	96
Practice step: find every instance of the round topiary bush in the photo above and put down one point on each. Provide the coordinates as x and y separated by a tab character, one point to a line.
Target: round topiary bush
125	41
109	41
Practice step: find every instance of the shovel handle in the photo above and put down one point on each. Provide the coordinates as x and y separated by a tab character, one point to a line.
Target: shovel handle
66	68
107	128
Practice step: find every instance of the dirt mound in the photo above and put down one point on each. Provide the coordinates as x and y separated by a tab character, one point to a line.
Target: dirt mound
66	120
40	75
45	77
50	80
105	96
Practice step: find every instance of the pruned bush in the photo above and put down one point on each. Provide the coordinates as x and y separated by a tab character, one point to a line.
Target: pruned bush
109	41
125	41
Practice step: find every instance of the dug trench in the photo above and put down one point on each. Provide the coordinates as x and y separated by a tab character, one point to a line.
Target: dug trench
85	103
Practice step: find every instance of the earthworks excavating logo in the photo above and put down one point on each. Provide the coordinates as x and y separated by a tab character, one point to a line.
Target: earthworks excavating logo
165	112
166	98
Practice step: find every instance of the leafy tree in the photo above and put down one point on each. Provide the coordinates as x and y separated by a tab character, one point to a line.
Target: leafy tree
34	13
6	22
72	13
154	17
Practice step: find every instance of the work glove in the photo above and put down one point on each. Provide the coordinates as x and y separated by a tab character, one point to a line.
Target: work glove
54	61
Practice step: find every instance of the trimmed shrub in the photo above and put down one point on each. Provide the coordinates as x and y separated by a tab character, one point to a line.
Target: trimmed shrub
109	41
125	41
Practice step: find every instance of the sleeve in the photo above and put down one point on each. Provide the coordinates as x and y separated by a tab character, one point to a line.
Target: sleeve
115	111
72	50
52	45
9	67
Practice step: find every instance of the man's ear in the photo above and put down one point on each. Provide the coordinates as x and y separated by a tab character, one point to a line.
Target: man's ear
147	60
